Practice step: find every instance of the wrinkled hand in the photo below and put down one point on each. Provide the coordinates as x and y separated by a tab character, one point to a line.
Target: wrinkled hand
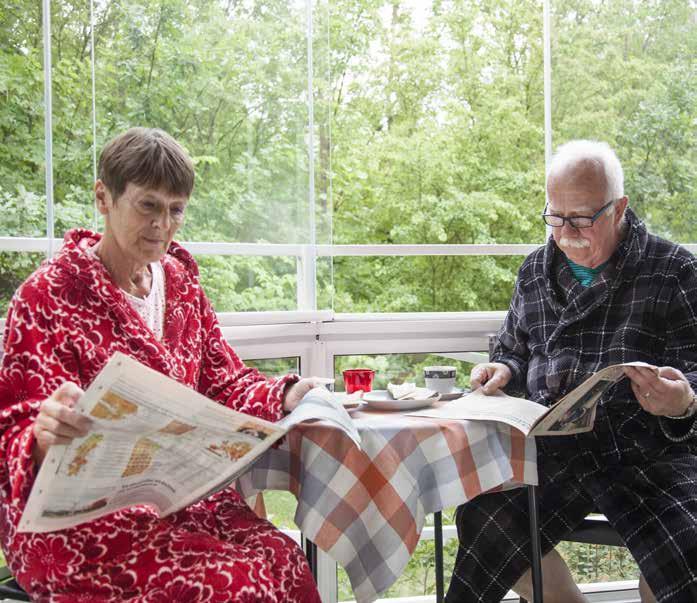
57	422
295	392
667	394
490	376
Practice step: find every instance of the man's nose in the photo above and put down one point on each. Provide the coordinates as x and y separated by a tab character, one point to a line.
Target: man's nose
567	229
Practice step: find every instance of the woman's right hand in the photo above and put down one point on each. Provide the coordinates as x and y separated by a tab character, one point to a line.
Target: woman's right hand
57	422
490	376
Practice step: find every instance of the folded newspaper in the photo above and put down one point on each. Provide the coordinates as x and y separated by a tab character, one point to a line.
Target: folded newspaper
157	442
574	413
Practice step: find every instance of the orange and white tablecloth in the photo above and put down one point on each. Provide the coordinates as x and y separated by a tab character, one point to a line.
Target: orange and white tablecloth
366	508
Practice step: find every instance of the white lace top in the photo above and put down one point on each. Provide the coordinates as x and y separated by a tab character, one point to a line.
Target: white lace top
152	307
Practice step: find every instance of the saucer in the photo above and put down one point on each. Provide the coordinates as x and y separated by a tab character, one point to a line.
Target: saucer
457	392
381	399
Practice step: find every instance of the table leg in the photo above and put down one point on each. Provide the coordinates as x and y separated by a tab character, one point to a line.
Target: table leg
311	554
536	547
438	537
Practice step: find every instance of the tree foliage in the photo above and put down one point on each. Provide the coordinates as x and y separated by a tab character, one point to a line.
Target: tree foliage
428	127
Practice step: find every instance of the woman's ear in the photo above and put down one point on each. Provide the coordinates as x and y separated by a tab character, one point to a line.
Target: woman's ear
102	197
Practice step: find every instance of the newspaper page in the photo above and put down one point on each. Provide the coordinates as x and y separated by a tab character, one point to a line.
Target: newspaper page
157	442
574	413
476	406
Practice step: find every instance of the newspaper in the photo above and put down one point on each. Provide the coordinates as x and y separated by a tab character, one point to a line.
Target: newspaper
574	413
156	442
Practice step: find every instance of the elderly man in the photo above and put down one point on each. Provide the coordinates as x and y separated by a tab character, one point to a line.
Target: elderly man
602	291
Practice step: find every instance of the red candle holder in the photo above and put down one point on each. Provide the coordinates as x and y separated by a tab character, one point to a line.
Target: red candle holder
358	378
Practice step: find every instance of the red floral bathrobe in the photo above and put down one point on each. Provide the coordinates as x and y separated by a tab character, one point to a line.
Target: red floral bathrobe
64	323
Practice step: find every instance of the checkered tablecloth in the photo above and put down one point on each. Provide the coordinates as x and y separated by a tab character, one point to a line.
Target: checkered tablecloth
366	508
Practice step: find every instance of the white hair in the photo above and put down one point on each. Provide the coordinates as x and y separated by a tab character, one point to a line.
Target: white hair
574	152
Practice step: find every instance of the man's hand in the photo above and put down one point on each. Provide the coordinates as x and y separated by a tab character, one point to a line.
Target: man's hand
667	394
490	376
57	422
295	392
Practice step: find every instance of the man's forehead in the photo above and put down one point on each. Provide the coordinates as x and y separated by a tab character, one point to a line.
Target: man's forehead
578	207
576	197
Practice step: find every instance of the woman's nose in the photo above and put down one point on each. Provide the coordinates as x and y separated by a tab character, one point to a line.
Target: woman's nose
162	219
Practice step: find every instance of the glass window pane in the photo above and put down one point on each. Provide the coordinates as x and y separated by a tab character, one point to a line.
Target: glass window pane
438	122
22	159
624	72
15	267
593	563
229	81
280	509
249	283
276	367
72	116
424	283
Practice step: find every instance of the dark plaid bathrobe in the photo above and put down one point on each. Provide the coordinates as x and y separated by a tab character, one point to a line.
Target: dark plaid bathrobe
638	469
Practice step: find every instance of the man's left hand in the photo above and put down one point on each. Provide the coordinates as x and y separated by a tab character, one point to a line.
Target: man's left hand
667	394
295	392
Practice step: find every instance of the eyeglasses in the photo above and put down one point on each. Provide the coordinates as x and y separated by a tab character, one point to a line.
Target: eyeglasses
153	209
576	221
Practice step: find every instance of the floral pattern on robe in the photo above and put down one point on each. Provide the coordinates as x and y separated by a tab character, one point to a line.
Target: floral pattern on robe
64	323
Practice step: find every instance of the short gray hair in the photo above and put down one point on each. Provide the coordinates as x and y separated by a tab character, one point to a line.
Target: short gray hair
147	157
573	152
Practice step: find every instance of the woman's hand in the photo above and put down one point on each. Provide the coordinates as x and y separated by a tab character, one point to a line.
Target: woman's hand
667	393
295	392
490	376
57	422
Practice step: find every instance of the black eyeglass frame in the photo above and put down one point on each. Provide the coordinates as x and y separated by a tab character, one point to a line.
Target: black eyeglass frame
572	219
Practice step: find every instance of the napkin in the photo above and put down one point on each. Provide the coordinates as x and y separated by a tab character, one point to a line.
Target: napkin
408	391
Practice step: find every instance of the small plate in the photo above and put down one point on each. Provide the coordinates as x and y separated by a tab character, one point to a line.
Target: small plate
381	399
350	401
456	393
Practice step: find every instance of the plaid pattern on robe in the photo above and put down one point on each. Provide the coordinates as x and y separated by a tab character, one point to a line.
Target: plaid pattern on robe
638	469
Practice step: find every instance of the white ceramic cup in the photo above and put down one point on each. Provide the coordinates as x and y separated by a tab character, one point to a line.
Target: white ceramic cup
440	379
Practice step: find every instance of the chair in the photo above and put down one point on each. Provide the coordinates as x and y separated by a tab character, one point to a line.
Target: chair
9	588
596	529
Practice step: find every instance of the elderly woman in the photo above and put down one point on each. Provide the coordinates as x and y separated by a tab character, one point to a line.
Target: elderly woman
133	290
602	291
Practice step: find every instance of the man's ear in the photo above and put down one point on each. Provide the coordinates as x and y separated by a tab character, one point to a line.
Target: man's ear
620	206
102	197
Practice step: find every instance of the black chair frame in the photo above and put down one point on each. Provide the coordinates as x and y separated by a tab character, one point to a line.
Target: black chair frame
9	589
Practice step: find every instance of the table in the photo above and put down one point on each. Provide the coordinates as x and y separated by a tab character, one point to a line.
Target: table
366	508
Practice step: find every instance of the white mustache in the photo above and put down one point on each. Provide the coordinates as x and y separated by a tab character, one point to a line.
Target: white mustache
574	243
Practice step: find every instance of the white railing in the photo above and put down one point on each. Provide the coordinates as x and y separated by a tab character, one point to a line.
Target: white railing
306	261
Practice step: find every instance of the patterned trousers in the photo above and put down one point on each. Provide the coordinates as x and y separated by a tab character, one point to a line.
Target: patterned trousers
650	498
